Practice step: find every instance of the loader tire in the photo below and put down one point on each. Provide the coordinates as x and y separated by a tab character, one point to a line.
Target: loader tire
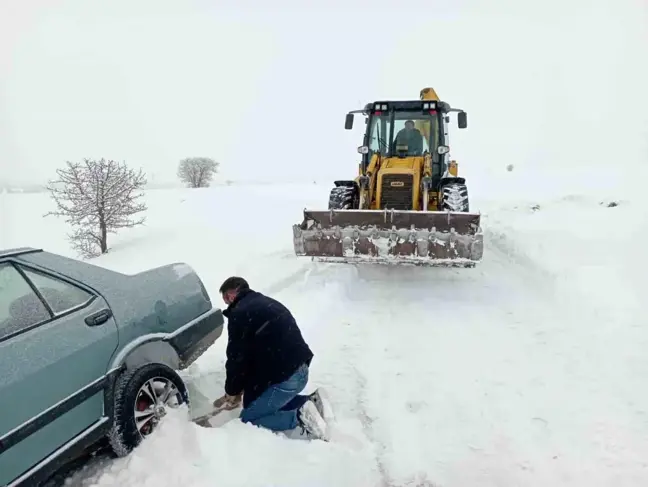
455	197
344	198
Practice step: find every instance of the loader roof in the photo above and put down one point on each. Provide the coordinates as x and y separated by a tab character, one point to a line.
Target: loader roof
406	105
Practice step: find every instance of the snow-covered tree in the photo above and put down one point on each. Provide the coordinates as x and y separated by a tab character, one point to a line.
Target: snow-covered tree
97	198
197	172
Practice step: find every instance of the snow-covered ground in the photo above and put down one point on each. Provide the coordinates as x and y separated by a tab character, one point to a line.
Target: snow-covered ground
528	370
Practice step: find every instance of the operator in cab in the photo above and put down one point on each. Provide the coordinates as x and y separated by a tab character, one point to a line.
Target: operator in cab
412	138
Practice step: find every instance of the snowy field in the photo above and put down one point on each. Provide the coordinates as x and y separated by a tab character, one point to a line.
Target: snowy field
529	370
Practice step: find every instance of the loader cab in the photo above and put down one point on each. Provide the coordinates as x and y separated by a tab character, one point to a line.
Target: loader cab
395	129
384	120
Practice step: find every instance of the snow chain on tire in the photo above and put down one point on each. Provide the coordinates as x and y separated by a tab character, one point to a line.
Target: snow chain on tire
455	197
124	436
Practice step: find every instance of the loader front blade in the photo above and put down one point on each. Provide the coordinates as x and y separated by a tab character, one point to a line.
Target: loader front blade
428	238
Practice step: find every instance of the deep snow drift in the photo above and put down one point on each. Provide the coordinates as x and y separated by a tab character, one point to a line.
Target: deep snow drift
527	370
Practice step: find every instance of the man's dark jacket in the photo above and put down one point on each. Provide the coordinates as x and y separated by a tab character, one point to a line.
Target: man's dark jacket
264	345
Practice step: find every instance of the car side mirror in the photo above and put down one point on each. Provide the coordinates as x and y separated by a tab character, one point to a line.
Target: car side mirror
462	120
348	122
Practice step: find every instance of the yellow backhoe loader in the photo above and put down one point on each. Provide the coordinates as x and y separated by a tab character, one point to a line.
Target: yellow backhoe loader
407	204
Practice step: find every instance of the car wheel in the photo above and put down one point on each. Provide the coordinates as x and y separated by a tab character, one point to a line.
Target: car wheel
142	397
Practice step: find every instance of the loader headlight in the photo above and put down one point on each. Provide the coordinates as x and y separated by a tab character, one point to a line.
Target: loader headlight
363	149
429	105
443	149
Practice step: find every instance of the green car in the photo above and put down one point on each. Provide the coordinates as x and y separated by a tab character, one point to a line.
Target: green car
89	355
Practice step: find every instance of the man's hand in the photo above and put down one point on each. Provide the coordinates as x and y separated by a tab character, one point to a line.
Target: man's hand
228	402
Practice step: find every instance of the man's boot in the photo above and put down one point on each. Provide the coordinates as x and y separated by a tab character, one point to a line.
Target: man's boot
323	404
311	422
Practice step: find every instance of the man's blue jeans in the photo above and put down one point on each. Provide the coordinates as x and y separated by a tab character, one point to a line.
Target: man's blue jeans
276	408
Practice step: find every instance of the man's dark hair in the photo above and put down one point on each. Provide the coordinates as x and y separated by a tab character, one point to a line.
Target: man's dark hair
233	284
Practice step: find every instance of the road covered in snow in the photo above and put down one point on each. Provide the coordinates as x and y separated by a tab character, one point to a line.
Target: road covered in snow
526	370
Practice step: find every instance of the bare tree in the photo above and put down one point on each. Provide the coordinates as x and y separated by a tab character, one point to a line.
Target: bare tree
197	172
97	198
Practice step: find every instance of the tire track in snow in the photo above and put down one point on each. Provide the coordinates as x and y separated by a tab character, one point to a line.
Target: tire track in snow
367	426
381	407
355	354
370	420
366	420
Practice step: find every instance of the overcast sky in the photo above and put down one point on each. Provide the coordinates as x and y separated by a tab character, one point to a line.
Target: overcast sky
263	86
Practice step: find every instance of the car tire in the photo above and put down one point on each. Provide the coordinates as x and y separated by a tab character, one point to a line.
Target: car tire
132	392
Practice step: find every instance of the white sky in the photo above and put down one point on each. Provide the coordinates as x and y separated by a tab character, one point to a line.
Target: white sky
263	86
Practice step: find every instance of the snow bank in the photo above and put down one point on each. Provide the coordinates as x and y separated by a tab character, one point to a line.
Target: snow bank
586	243
235	454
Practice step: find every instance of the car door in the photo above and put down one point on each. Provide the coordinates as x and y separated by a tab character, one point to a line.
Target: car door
51	364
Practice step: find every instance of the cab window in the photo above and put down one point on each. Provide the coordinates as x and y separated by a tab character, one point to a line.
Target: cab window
379	134
415	131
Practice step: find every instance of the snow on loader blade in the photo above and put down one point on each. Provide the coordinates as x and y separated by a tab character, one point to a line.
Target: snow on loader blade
426	238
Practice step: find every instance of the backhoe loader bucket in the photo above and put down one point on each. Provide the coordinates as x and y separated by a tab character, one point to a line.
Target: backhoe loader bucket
427	238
